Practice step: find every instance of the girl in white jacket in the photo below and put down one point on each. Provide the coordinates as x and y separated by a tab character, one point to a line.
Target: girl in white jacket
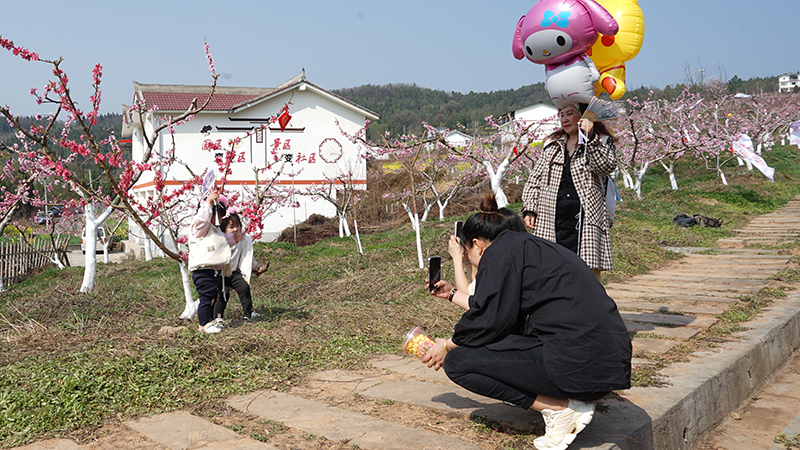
209	259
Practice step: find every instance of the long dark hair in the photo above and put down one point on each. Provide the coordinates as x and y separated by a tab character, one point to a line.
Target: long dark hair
515	222
485	225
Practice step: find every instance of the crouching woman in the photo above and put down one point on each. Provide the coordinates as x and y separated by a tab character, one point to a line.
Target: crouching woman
540	331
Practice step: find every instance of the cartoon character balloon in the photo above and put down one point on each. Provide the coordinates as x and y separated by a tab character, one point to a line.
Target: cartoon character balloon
558	33
610	53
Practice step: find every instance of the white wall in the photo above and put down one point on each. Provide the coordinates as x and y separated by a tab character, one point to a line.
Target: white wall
314	119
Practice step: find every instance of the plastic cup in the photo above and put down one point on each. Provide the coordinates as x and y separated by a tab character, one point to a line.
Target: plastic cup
417	343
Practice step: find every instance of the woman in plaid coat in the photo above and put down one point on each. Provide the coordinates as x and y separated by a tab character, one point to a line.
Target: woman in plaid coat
563	200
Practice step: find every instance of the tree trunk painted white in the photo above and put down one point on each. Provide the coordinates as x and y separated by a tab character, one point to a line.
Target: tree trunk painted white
442	206
637	187
419	245
670	168
722	176
426	212
344	228
416	226
191	305
106	259
627	180
496	179
90	258
358	237
2	286
148	249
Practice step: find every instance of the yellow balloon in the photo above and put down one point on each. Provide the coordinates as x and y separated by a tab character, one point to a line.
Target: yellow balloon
610	53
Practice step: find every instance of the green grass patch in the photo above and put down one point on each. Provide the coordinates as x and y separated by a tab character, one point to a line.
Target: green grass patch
72	361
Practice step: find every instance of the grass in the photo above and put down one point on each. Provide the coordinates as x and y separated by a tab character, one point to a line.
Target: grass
72	362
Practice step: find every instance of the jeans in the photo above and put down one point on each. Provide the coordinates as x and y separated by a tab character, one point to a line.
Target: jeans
514	376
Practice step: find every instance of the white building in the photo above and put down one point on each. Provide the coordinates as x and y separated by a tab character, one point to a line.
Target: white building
788	82
454	138
545	115
310	149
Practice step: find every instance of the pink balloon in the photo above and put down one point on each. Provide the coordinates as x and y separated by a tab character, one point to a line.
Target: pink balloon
558	31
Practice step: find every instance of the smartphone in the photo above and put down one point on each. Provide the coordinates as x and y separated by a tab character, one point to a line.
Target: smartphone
458	228
434	271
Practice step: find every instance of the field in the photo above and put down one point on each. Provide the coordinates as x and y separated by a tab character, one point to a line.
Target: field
77	365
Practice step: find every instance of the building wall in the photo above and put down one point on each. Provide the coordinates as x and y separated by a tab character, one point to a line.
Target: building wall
314	121
787	82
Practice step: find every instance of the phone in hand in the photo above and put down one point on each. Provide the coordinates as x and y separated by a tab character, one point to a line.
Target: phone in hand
434	271
458	228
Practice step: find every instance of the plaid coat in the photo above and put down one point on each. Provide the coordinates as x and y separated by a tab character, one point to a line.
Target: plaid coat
590	164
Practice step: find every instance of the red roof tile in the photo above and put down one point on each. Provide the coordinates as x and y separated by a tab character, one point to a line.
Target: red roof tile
180	101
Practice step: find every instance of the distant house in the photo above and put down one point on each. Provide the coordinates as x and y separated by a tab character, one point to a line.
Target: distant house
788	82
456	138
311	142
547	115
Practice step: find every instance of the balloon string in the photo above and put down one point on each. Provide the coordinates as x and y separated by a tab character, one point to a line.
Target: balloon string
582	139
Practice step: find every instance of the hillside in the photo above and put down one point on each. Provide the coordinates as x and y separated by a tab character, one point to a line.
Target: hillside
403	107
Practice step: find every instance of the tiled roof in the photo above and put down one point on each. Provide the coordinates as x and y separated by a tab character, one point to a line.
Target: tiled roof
179	97
168	101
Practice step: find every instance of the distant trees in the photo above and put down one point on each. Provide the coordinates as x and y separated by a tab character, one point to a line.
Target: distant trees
405	107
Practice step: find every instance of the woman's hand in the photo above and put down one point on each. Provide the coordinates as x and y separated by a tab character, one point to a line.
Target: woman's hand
455	249
587	126
435	356
530	221
442	289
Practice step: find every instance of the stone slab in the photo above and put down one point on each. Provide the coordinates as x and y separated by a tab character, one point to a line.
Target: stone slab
181	430
669	319
410	366
51	444
453	399
366	432
669	307
677	333
697	291
689	299
654	346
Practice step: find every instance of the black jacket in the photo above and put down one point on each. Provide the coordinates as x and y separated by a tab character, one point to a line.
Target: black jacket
529	292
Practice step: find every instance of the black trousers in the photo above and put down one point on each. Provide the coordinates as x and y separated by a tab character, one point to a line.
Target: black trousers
208	283
237	282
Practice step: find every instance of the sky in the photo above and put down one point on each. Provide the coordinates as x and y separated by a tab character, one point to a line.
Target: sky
447	45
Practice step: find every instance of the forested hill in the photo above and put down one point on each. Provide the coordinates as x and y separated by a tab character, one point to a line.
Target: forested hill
403	107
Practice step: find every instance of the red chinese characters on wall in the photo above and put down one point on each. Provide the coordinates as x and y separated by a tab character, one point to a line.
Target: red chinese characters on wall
279	149
284	147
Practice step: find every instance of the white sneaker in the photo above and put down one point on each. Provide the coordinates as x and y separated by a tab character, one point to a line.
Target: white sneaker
210	328
561	427
219	323
253	315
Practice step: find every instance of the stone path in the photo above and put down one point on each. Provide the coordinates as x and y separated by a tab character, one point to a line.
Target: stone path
664	307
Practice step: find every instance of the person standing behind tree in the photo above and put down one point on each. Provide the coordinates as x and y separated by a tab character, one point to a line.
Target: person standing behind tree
563	200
